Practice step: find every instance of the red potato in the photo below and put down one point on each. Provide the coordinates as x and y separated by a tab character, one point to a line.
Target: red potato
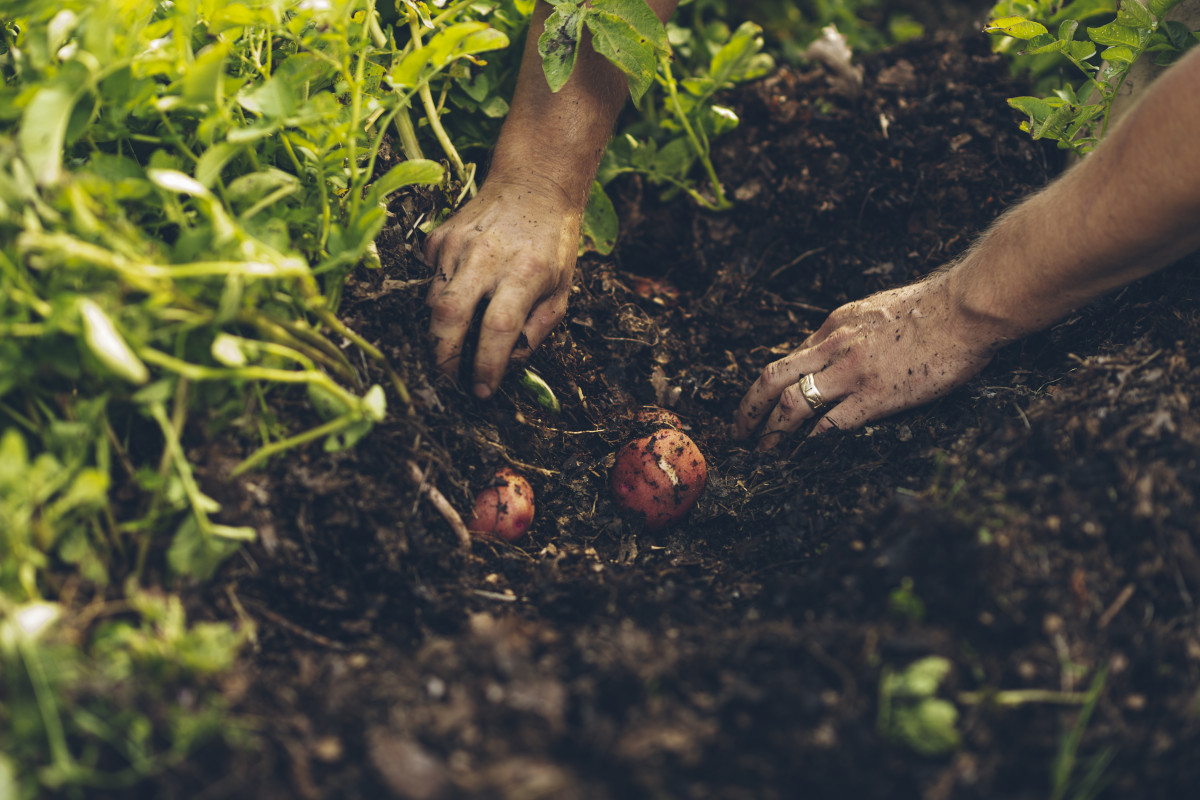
659	476
504	510
656	290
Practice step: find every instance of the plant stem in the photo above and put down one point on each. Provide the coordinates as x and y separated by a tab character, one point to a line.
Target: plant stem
668	80
310	344
1012	698
330	319
435	122
408	135
274	448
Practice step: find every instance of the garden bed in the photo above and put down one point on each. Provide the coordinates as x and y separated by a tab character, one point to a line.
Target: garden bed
1036	528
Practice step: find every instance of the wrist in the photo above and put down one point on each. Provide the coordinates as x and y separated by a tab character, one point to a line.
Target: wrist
978	313
551	193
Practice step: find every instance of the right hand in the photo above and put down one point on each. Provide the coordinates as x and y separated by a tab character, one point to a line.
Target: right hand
514	247
873	357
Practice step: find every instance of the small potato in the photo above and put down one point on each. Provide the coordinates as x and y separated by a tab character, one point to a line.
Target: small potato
659	476
505	509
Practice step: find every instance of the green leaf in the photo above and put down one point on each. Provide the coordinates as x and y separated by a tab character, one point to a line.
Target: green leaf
374	404
1159	8
1083	115
928	727
495	107
1134	14
1176	34
213	160
1052	126
254	186
463	39
674	159
197	553
1016	27
43	131
640	17
1079	51
1045	115
600	225
102	339
920	679
1067	93
737	61
348	436
559	44
1114	35
1066	31
1042	43
630	35
204	81
414	171
718	120
238	15
1118	55
272	99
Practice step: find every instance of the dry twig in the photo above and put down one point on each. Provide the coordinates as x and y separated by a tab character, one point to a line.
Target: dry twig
442	505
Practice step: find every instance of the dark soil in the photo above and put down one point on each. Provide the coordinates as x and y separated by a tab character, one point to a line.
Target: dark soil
1036	528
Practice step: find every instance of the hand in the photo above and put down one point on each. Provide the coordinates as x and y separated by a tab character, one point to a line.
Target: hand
513	245
871	358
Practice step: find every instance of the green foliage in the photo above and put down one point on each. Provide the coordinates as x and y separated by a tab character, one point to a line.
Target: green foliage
183	187
1077	115
72	709
1065	781
626	32
911	714
679	117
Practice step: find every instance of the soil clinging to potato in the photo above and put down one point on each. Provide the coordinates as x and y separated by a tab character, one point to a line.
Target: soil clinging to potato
1036	528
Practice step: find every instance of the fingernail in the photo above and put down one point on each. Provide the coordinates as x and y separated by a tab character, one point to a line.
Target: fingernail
483	391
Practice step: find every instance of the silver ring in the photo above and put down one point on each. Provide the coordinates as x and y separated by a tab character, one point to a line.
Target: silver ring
808	388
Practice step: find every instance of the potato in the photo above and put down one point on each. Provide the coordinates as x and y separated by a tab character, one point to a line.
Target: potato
504	510
659	476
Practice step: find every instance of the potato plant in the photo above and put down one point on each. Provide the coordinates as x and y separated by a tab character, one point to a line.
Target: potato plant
1077	115
183	187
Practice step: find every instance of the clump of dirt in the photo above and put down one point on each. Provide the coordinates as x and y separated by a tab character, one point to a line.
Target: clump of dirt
1037	528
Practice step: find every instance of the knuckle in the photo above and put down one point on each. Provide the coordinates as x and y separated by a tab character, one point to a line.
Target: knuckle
773	376
791	401
529	272
503	321
448	307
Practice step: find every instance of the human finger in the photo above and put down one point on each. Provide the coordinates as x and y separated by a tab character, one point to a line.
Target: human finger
853	412
433	244
545	318
443	253
795	408
765	392
503	322
453	307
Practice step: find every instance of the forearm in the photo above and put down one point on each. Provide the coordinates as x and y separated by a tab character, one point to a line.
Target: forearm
560	136
1128	209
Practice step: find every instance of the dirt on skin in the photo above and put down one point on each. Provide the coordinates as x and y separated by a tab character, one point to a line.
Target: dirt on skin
1036	528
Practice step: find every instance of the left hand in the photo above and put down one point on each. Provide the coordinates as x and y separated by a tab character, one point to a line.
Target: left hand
512	249
873	357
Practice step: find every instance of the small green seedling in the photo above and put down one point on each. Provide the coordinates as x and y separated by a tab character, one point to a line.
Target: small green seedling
910	713
540	390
